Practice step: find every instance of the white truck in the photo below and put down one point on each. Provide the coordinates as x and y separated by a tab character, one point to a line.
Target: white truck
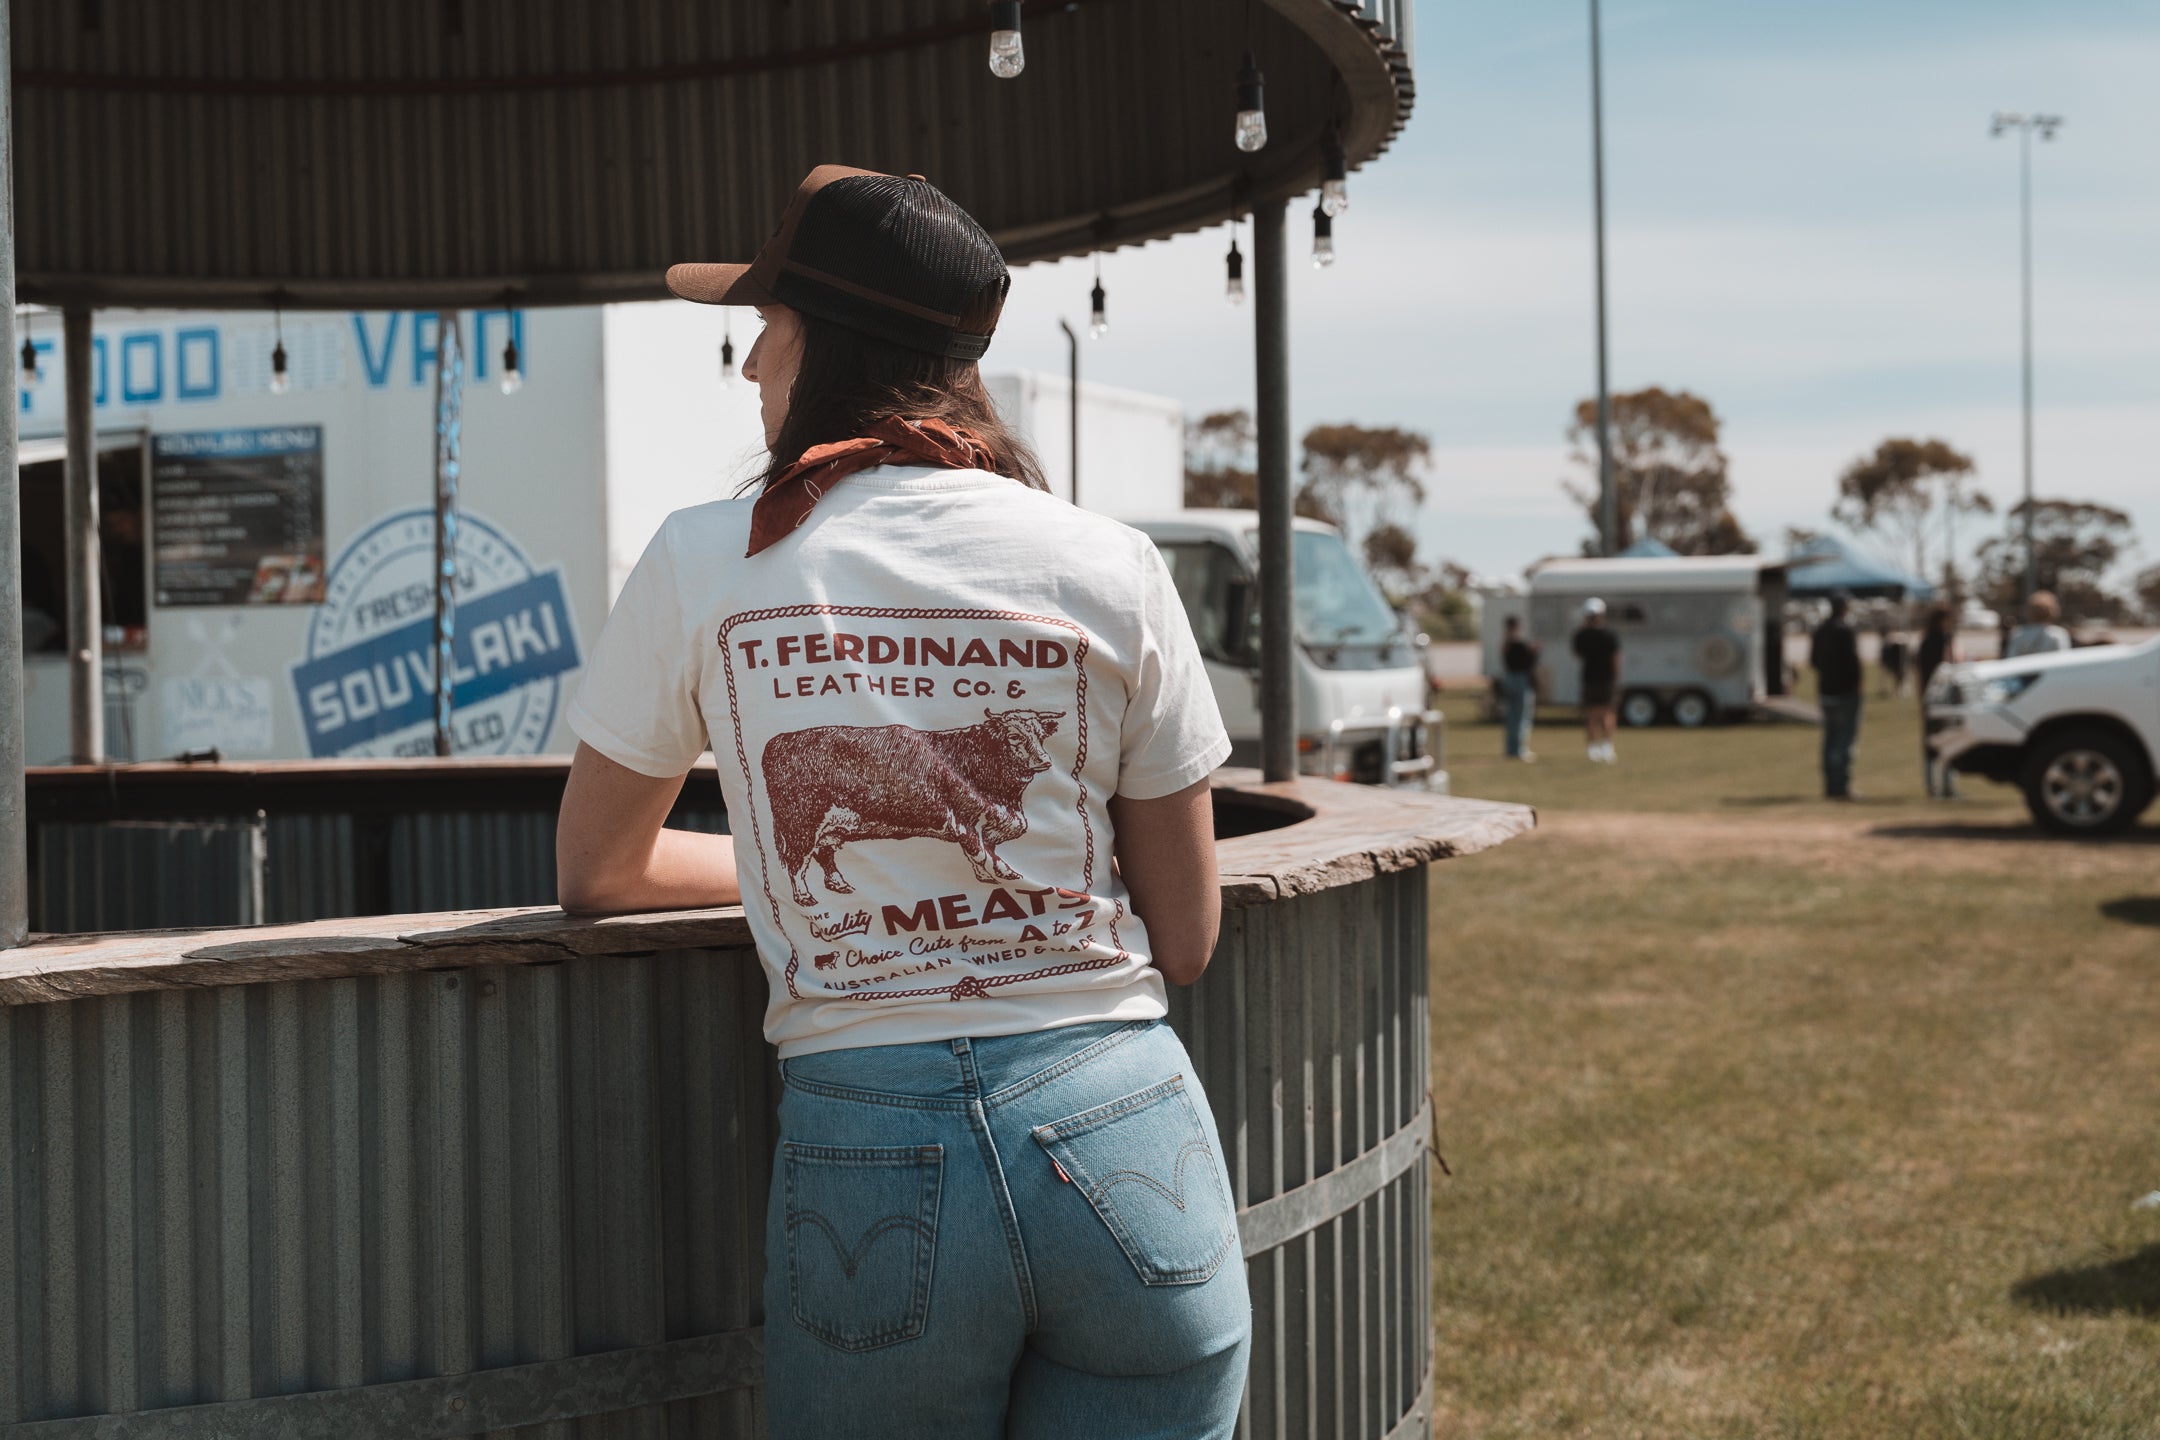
1360	687
2077	730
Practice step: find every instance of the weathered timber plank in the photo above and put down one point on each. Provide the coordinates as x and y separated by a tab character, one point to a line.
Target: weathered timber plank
1348	833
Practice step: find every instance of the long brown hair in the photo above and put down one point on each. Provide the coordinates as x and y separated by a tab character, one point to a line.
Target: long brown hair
847	381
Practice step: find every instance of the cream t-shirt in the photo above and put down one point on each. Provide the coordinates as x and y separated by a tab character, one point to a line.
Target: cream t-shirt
921	702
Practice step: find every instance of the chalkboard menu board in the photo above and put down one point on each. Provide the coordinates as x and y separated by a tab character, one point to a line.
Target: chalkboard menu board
238	516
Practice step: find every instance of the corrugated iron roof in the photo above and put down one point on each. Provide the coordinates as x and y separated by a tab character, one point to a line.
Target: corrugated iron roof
400	152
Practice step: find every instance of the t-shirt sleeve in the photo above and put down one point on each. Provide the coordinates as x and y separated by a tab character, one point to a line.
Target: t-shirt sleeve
1173	733
637	702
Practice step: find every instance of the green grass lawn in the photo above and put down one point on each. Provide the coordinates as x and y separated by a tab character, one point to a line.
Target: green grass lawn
1776	1118
1764	766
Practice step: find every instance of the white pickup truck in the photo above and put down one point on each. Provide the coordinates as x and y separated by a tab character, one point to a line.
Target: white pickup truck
2077	730
1360	684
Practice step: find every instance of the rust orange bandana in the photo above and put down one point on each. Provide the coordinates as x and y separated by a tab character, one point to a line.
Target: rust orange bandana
787	502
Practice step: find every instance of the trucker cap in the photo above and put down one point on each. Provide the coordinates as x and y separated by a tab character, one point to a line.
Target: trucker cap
887	255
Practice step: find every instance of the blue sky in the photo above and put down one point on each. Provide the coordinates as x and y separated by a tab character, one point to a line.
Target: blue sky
1808	225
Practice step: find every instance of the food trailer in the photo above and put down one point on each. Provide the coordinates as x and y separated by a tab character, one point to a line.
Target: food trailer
1700	636
267	553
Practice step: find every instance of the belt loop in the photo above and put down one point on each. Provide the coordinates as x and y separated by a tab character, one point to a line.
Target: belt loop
964	1052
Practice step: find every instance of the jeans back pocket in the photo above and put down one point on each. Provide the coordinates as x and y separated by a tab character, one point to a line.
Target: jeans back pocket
861	1239
1145	1165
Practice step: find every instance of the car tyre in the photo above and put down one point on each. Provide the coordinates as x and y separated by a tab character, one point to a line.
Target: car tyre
2085	781
1691	710
1639	708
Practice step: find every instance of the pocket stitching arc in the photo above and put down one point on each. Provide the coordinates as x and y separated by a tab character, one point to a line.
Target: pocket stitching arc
929	1163
1073	1126
1095	1188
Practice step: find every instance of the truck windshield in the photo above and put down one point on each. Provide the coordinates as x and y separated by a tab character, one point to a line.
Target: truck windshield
1337	603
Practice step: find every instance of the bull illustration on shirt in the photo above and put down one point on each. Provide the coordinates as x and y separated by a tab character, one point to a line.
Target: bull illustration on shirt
833	784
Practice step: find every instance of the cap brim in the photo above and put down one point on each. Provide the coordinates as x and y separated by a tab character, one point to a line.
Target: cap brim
717	284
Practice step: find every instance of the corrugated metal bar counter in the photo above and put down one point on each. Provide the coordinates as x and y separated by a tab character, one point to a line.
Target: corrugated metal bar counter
174	843
504	1172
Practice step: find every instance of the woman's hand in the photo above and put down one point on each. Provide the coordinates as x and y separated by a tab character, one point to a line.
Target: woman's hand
1165	851
612	852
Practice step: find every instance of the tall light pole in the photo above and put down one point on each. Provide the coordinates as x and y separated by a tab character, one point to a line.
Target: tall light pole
1608	498
2025	125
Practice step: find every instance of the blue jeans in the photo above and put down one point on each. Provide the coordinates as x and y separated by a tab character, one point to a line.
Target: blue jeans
1518	703
1025	1235
1840	728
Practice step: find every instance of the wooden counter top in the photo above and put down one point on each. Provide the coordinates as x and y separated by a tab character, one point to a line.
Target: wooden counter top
1346	833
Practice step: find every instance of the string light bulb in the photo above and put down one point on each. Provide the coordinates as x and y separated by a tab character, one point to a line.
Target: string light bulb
1323	238
32	377
1098	317
1251	107
727	356
1234	266
280	376
513	368
1007	58
1334	177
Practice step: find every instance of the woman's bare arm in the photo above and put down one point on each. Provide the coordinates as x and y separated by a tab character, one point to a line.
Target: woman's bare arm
612	852
1165	851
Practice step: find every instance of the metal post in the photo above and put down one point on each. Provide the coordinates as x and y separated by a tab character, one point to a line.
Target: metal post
2032	556
85	615
1608	497
1072	340
1271	362
14	821
449	425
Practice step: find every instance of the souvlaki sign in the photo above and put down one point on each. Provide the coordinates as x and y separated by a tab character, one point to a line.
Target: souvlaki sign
367	683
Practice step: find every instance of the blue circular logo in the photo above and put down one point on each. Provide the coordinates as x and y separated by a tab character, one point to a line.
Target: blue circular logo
367	686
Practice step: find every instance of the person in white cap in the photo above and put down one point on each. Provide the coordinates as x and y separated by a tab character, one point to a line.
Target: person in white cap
1598	651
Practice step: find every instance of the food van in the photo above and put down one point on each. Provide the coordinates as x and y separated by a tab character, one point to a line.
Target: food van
1701	637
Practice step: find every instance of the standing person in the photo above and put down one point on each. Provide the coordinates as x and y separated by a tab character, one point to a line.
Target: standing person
1892	652
1518	689
2039	634
924	676
1938	647
1598	651
1835	654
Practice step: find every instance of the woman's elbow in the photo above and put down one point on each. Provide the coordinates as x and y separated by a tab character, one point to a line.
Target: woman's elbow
1183	959
580	895
1181	969
585	887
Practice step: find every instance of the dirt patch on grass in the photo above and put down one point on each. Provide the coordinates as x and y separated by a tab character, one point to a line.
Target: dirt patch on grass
1849	842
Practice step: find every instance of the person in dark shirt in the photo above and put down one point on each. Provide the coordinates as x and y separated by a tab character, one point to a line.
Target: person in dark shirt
1835	655
1598	651
1518	688
1938	647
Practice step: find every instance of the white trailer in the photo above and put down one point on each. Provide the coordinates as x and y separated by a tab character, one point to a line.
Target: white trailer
1700	637
1132	446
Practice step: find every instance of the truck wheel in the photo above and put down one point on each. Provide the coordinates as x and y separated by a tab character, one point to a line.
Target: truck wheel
1691	710
1638	708
2085	782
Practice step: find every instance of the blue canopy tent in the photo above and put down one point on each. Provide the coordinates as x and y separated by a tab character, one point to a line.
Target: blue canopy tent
1649	548
1824	564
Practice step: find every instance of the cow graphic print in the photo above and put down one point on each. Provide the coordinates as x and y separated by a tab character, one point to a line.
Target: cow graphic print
918	816
832	784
